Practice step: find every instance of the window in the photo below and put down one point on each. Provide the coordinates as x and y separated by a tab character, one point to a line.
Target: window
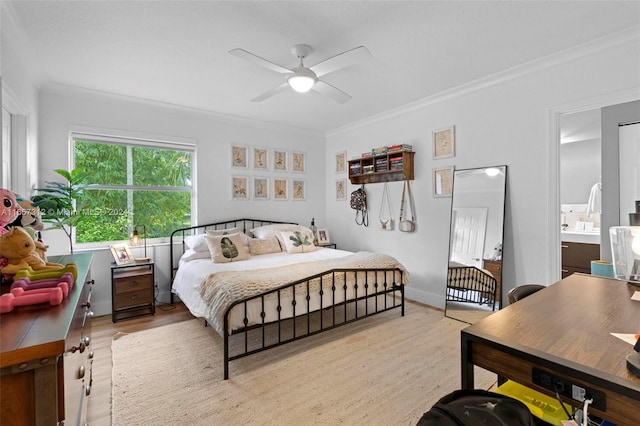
133	182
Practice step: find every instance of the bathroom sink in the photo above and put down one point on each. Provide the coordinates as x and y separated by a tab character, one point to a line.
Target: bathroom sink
588	237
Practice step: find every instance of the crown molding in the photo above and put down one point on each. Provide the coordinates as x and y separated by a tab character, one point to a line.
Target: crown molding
607	42
66	89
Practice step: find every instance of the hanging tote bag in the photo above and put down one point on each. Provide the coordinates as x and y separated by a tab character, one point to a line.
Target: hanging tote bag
358	202
407	225
386	219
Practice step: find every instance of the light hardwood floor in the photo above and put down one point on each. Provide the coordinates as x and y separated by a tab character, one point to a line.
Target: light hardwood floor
103	331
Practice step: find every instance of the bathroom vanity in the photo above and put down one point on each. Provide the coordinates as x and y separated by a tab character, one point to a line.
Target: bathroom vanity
578	250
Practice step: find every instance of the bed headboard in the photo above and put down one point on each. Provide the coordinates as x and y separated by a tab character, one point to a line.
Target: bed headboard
177	246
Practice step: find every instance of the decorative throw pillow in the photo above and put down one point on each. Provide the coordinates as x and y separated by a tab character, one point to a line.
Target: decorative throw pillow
227	248
259	246
236	230
297	241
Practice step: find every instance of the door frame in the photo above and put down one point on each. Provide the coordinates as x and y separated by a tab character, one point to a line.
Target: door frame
553	171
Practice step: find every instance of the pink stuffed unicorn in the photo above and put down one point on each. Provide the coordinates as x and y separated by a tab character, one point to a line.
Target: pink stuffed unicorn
10	209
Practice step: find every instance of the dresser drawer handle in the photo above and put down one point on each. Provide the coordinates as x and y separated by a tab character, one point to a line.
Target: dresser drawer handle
134	297
133	283
563	246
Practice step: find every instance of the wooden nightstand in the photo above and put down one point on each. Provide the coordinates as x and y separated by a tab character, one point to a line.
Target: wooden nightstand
132	290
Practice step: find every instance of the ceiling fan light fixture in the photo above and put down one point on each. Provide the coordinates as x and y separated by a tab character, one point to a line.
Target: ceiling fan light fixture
302	80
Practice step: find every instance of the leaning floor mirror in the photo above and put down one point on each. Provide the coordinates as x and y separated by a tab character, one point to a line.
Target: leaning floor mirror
474	274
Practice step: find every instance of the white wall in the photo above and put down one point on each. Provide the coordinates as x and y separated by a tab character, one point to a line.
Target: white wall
20	80
499	121
62	108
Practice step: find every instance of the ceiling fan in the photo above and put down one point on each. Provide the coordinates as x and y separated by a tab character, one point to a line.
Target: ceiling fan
301	78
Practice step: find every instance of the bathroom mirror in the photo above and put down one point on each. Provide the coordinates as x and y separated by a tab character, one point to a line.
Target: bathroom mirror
474	274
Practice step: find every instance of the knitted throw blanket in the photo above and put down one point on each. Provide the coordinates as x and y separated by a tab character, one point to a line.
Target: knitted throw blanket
220	289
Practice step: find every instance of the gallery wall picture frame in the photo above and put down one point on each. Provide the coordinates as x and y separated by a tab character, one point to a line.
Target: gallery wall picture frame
298	191
280	189
121	254
260	188
341	189
239	156
443	181
341	162
444	142
298	162
260	159
323	236
239	188
280	160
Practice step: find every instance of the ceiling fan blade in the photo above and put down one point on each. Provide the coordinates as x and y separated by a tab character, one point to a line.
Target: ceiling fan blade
269	93
341	60
331	91
257	60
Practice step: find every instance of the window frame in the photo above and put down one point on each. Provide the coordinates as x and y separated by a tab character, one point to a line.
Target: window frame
136	140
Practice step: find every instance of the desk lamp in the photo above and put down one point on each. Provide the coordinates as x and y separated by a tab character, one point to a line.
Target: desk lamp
135	241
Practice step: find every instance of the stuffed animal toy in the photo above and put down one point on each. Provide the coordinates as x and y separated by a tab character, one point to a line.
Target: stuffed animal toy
20	250
29	215
10	209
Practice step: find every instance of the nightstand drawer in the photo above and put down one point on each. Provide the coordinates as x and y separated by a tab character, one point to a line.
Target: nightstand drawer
130	284
133	298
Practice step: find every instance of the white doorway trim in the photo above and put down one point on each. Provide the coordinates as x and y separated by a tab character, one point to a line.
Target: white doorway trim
553	147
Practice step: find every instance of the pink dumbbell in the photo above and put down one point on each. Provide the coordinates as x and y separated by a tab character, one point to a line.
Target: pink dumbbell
21	292
28	285
9	301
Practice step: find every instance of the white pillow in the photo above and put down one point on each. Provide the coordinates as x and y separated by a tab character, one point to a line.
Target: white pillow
227	248
236	230
191	254
298	241
267	231
196	243
259	246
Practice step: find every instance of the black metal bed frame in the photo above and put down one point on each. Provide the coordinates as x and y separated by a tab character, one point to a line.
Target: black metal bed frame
380	289
469	284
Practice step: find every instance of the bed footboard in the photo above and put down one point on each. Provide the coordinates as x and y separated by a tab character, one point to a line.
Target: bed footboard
471	285
310	306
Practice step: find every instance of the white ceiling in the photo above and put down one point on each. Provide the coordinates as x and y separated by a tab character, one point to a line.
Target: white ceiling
177	51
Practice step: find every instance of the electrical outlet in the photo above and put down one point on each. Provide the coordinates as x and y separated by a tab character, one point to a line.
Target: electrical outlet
578	393
566	388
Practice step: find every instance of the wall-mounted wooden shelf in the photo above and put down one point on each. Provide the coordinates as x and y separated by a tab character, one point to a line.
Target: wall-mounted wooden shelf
390	167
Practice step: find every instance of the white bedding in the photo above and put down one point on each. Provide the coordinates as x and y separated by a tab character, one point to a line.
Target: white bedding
190	274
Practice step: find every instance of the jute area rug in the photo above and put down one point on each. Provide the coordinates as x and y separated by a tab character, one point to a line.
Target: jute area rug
383	370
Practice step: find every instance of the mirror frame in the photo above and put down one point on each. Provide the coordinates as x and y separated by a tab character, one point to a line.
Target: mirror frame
478	274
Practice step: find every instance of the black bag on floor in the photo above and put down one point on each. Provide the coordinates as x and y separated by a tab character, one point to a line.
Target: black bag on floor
477	407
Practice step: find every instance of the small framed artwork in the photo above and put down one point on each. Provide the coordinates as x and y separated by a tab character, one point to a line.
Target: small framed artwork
298	161
280	189
121	254
341	189
280	161
443	181
298	190
239	156
260	188
323	236
239	188
260	159
444	143
341	162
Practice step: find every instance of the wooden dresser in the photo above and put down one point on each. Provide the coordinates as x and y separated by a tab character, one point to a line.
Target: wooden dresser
495	267
46	356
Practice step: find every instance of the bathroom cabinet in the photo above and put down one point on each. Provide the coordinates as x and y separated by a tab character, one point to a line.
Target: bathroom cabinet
577	257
